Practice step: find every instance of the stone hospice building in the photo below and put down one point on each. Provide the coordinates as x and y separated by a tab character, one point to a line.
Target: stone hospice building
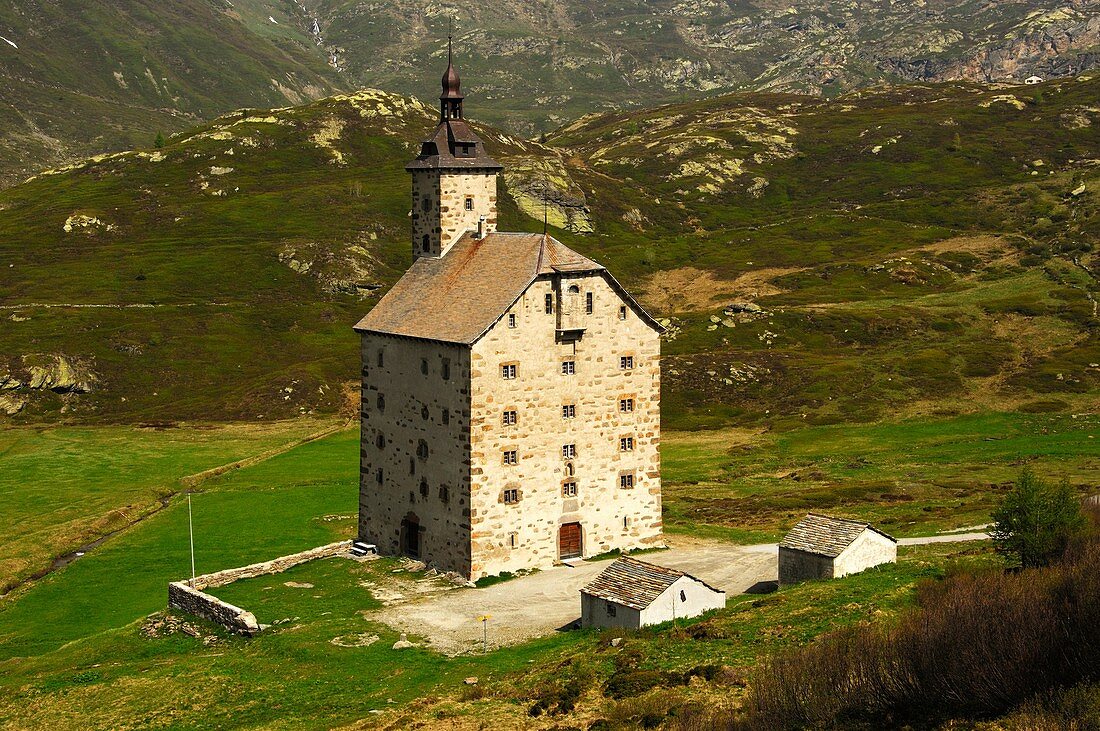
510	386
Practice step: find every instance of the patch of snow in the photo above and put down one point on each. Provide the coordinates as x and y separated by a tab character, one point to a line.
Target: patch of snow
10	43
272	20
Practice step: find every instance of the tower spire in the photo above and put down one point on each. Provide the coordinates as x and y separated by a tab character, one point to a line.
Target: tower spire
450	106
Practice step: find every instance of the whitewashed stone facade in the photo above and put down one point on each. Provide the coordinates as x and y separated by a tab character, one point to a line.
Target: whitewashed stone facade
822	547
510	387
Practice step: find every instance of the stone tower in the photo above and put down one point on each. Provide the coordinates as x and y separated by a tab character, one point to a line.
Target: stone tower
454	181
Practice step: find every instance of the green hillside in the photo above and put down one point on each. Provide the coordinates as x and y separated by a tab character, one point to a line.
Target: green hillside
80	77
922	250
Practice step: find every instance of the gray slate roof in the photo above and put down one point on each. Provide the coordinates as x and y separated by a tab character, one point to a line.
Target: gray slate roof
633	583
456	298
439	152
826	536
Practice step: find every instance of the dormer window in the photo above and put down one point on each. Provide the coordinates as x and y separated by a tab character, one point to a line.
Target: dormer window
464	149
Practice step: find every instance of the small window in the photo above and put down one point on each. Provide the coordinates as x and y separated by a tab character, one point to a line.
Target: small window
626	522
381	402
610	607
513	540
508	372
469	203
424	488
588	303
422	449
424	413
446	370
509	418
569	451
683	596
568	411
379	476
412	466
444	494
424	366
380	440
626	444
574	289
626	362
568	367
570	470
446	416
512	321
380	358
511	496
511	457
569	489
626	405
549	304
626	480
622	312
426	243
426	203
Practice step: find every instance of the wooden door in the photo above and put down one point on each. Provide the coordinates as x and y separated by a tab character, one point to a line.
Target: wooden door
569	541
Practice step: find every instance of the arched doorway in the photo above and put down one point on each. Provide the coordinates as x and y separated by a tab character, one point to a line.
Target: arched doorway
570	541
410	536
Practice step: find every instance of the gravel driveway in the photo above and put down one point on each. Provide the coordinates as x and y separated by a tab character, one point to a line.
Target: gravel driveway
536	605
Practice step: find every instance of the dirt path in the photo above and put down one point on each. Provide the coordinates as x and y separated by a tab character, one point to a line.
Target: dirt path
536	605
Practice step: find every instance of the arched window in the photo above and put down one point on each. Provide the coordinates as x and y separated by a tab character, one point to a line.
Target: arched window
569	469
574	289
381	402
422	449
380	441
424	488
426	242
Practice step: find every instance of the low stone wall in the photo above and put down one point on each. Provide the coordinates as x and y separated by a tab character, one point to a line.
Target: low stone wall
189	596
183	597
274	566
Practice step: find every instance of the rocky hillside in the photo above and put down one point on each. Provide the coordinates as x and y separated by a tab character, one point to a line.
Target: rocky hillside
538	65
82	78
79	78
922	249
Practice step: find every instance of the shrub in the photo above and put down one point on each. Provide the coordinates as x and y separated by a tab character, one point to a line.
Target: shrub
1036	521
976	646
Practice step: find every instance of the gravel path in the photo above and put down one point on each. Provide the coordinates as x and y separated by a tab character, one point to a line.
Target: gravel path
536	605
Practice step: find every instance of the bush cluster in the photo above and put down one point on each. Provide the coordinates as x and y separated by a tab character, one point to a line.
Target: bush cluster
978	645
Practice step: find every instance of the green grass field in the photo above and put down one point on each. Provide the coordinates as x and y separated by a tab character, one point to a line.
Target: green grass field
70	642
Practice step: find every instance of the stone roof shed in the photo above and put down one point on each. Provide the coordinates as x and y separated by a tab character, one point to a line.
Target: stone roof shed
632	594
823	547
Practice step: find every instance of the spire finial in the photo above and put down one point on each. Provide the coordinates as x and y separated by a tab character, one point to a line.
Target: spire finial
452	95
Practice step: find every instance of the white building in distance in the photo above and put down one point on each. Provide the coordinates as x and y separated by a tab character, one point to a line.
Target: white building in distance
632	594
510	412
821	547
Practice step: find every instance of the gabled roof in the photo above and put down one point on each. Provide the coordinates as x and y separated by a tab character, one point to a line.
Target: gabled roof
635	584
826	536
457	297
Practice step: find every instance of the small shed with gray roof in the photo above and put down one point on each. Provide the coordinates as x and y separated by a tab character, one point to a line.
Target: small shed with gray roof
823	547
632	593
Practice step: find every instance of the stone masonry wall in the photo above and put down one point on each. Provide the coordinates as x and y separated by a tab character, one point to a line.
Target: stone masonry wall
415	436
525	535
439	208
274	566
796	566
183	597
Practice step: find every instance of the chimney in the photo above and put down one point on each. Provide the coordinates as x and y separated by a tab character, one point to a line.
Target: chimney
481	227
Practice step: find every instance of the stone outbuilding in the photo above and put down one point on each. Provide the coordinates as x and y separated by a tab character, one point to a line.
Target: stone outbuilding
632	594
821	547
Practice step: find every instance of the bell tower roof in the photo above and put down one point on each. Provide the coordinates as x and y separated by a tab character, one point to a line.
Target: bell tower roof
452	85
453	145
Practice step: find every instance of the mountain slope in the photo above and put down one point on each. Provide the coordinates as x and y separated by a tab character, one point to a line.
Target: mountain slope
538	65
923	249
79	78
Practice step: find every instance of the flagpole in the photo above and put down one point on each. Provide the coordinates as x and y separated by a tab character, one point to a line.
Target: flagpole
191	532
